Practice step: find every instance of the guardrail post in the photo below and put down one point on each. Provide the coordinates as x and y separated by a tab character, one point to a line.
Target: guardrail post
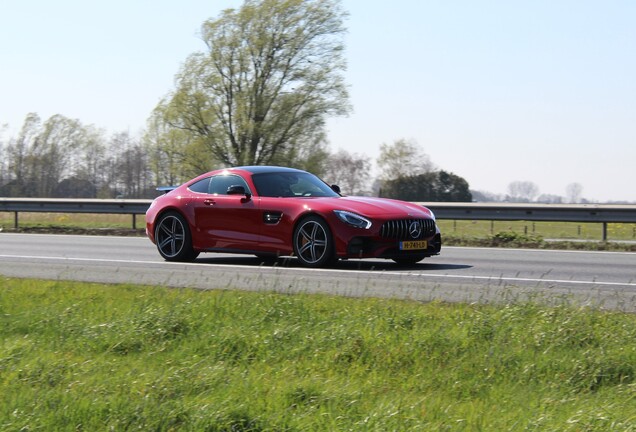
15	220
604	231
134	221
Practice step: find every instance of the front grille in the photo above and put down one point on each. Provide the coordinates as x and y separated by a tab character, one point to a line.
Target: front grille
401	229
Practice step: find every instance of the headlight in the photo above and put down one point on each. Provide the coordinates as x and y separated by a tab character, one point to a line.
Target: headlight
353	219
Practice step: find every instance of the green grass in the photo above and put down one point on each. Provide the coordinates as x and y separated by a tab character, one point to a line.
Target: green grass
96	357
539	235
70	220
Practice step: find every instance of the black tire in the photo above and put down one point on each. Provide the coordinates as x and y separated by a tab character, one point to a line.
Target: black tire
313	242
409	260
173	238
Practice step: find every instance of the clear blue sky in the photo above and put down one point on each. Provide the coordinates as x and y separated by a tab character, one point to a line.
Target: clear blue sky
494	91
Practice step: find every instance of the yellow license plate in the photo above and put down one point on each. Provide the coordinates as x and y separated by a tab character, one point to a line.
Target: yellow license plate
413	245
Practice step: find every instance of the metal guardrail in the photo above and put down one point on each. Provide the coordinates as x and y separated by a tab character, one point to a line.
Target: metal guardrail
599	213
62	205
607	213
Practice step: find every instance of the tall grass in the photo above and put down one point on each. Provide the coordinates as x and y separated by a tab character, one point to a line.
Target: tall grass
96	357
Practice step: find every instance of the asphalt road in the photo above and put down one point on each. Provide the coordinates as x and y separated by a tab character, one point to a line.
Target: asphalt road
600	279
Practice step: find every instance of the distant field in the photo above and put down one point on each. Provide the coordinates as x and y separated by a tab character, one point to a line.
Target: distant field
548	230
76	356
75	220
459	228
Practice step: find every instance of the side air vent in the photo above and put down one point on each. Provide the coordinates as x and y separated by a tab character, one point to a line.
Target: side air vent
272	217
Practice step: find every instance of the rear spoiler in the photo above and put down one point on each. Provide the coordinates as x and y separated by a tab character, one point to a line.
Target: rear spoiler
166	189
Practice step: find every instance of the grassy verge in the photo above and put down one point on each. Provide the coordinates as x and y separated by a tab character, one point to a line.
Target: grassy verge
549	230
513	239
85	221
73	223
94	357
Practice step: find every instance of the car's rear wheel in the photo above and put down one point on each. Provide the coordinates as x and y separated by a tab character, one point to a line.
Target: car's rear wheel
173	238
313	242
409	260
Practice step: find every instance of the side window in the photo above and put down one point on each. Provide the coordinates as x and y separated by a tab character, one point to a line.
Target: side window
201	186
304	187
219	184
274	184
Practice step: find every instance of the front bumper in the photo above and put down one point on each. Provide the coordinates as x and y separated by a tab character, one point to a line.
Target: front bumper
370	247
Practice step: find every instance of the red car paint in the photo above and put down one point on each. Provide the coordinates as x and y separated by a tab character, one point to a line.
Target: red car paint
255	218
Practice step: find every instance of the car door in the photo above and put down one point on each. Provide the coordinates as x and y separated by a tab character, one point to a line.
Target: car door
229	222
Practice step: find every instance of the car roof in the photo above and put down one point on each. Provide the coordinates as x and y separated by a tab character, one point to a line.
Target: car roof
258	169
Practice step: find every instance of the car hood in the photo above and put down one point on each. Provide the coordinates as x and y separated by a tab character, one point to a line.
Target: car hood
378	207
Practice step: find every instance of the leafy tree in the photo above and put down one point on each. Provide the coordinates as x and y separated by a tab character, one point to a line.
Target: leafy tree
172	157
261	92
436	186
402	159
450	187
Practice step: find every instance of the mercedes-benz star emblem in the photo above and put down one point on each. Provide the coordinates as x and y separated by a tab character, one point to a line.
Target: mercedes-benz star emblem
415	229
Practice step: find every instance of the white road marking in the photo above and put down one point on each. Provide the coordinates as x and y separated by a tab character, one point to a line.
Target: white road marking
379	273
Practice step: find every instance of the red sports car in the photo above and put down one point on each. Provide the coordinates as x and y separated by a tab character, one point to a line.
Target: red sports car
275	211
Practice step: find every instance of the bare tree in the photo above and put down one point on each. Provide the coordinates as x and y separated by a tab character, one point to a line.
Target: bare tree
573	193
61	158
132	171
350	171
4	158
485	196
18	154
91	157
550	199
522	191
53	151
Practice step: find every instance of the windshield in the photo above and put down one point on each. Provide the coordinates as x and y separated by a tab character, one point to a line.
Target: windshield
291	184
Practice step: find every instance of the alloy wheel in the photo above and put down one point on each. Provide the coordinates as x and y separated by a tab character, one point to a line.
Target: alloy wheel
171	235
312	242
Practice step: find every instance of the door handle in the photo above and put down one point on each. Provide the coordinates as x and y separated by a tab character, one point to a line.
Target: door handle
209	202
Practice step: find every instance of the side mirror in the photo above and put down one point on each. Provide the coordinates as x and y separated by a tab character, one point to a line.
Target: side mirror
238	190
336	189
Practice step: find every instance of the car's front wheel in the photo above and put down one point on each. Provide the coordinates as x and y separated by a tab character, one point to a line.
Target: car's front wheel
173	238
313	242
